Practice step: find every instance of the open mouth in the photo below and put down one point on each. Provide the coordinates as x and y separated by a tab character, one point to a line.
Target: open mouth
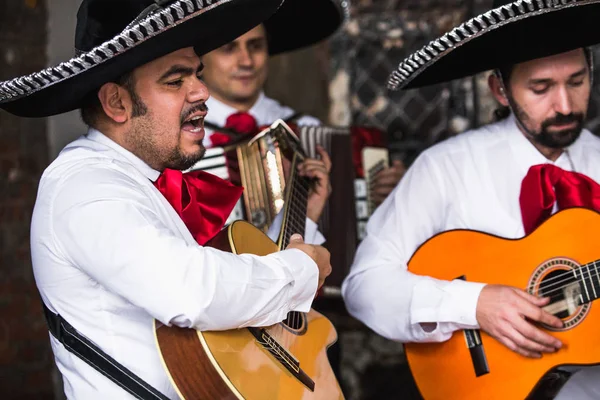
194	124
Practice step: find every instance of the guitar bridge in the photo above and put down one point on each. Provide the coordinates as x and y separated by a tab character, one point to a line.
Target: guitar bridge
473	338
282	356
475	345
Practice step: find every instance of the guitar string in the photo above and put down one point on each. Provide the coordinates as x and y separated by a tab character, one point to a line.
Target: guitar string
301	191
566	274
297	193
575	280
296	316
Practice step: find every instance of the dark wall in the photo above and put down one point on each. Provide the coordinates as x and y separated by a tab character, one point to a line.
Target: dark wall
25	357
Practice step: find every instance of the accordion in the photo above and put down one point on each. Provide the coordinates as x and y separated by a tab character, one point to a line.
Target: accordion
357	154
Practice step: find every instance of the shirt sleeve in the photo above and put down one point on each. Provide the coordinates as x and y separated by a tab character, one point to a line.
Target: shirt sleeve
105	225
312	235
381	292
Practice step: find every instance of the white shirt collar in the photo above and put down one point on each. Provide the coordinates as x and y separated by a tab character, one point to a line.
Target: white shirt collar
98	137
218	112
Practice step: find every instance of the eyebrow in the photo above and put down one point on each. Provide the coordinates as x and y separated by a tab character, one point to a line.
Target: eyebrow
548	80
258	40
180	70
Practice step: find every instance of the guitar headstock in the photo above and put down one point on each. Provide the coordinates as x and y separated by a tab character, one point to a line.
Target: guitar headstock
285	138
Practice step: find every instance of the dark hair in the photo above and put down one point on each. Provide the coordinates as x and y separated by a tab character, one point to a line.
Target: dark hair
92	109
503	73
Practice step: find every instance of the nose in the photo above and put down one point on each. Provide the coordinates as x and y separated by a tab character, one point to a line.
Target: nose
198	92
563	102
245	58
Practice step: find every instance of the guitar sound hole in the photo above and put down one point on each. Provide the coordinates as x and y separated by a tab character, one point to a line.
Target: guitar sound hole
295	322
563	290
558	279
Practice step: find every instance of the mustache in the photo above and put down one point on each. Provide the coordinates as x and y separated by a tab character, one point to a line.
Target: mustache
243	72
562	119
198	107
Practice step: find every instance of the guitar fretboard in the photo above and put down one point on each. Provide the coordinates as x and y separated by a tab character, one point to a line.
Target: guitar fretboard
588	276
294	220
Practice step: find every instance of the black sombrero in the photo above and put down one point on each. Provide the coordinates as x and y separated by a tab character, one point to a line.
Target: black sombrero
301	23
116	36
511	33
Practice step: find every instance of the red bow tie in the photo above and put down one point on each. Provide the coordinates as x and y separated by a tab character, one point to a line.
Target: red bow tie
202	200
544	185
241	122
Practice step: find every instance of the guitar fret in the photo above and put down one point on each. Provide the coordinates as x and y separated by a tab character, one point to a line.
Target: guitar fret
581	283
596	281
583	280
589	271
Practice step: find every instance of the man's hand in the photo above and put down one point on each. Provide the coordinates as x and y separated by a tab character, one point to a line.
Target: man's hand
503	311
386	180
320	192
319	254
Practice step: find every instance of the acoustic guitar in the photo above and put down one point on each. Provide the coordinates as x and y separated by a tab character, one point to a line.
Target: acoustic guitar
285	361
560	259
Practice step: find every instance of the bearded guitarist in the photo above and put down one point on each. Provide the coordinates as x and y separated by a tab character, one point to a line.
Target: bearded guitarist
504	179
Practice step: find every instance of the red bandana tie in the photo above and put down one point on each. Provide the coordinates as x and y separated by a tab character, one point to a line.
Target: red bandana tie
546	185
241	122
202	200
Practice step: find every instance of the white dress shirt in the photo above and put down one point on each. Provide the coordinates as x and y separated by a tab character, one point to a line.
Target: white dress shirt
471	181
265	111
110	254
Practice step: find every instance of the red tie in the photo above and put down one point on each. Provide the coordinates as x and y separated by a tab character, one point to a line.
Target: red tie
202	200
547	184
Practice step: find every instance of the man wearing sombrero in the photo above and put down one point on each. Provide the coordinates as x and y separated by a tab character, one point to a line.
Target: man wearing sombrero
503	179
235	74
116	226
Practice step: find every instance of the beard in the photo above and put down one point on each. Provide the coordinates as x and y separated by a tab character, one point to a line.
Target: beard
182	162
147	147
553	139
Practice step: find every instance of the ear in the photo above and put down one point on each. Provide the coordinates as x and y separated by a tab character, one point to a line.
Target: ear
115	101
497	89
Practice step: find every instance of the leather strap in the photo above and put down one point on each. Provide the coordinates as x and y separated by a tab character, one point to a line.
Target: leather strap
99	360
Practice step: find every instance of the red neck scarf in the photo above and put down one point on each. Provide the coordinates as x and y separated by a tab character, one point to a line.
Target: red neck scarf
546	184
202	200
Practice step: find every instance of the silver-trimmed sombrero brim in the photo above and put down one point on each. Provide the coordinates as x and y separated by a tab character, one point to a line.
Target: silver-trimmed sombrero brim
509	34
184	23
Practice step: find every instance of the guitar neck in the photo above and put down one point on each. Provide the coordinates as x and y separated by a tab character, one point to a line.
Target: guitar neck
294	217
588	277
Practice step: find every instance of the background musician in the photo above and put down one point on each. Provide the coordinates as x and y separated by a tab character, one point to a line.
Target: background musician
236	74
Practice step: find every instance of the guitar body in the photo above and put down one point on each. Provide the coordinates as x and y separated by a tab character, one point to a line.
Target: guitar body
232	364
565	241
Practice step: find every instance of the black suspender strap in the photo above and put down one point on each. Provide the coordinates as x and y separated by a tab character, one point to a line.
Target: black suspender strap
99	360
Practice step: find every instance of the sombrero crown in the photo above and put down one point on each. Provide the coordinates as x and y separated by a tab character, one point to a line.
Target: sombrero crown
114	37
510	33
301	23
